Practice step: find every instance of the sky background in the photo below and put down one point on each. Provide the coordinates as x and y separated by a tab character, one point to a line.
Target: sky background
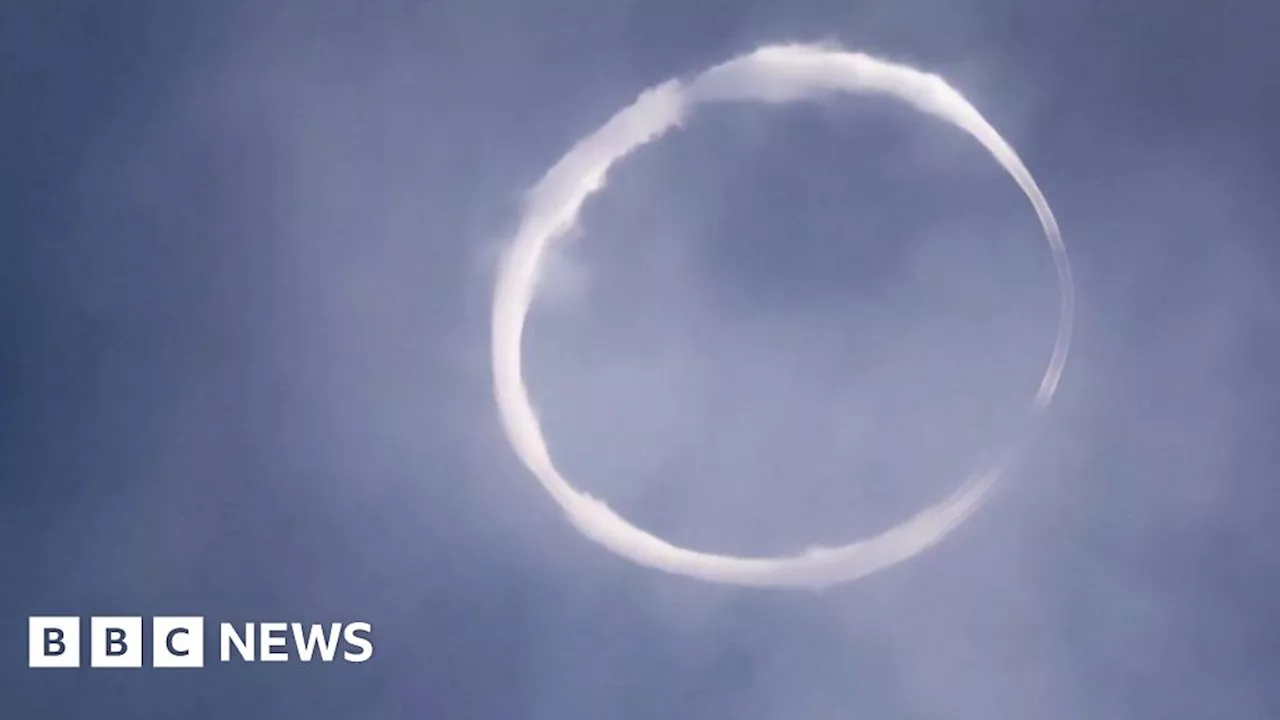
246	257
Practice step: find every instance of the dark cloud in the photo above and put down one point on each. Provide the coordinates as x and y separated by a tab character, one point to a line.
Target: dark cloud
245	270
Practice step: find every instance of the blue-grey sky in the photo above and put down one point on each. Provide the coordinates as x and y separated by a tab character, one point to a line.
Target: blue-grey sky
246	254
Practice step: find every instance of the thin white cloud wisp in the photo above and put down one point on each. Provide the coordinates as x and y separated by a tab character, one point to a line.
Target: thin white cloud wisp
774	74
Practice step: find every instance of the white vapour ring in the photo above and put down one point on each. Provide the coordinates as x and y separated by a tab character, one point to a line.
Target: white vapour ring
774	74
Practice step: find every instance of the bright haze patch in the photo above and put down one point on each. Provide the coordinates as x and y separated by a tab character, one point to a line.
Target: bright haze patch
777	76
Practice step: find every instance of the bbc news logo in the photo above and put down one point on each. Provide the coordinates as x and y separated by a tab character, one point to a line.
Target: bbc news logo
178	642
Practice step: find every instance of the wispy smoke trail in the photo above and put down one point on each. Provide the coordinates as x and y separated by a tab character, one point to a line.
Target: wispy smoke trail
777	74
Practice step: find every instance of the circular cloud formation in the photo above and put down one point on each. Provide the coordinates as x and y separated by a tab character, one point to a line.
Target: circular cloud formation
774	74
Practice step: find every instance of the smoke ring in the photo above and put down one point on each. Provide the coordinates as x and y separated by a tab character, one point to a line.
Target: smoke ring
772	74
